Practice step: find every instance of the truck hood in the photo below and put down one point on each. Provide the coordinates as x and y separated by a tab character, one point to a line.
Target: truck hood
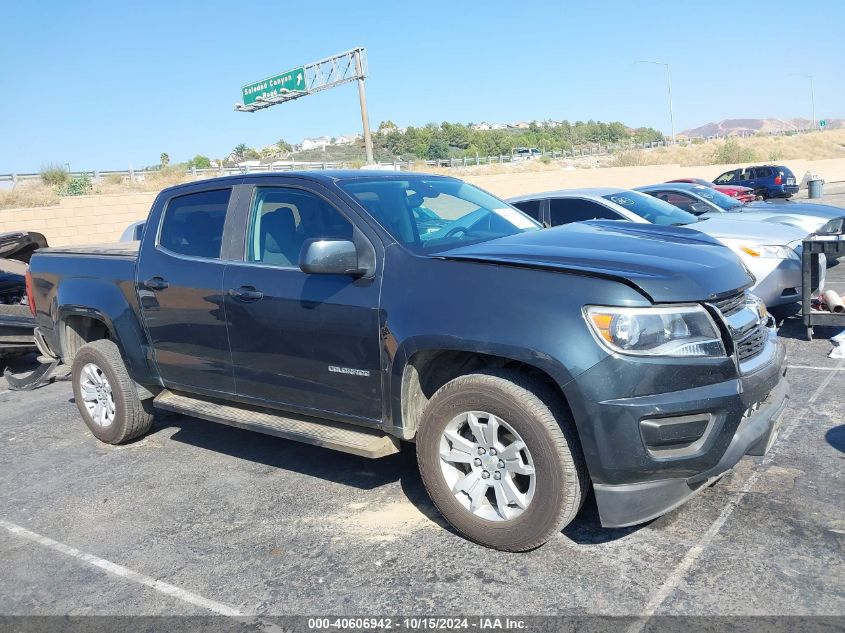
667	264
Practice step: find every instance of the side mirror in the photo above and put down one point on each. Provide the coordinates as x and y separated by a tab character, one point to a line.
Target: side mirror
330	257
698	208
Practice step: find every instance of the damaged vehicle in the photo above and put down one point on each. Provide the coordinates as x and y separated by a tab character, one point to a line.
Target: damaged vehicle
526	365
17	322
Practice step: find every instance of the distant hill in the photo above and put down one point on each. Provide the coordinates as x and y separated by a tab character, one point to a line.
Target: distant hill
731	127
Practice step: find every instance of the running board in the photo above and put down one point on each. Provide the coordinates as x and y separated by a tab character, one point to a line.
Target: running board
335	435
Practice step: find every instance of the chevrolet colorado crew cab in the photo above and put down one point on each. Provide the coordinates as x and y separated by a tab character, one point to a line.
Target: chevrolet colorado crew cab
355	310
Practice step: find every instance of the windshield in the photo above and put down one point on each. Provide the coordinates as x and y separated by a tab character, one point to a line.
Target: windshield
654	210
429	214
718	198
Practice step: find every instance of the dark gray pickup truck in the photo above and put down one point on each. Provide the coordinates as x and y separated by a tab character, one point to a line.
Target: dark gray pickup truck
354	310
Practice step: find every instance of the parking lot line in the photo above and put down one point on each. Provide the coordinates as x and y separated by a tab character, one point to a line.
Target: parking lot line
815	368
682	569
123	572
825	383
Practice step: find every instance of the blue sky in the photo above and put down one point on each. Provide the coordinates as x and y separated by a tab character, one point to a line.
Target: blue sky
105	84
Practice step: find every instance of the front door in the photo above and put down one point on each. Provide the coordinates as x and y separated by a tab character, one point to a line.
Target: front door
299	341
180	284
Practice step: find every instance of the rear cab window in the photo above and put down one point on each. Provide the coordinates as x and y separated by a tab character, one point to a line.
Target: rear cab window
193	224
566	210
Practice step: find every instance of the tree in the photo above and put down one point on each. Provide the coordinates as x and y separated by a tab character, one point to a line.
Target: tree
387	126
164	159
438	149
240	151
200	162
283	145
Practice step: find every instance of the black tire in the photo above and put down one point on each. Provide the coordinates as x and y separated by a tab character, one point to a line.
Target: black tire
132	416
762	194
546	427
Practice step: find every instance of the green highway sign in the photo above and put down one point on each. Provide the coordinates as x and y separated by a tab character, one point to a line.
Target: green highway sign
292	80
822	123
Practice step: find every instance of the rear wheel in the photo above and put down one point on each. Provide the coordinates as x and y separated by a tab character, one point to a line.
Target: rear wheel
106	396
762	194
500	459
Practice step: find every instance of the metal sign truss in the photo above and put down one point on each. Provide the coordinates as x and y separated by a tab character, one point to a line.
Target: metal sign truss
321	75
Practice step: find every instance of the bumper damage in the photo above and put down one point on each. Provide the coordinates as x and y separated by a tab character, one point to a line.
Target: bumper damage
629	504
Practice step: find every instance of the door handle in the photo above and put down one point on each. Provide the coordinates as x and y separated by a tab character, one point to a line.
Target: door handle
246	293
156	283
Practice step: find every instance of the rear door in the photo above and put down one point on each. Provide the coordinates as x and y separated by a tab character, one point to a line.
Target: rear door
302	342
180	284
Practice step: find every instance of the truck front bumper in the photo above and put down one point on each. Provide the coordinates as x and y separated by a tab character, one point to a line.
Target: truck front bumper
629	504
638	473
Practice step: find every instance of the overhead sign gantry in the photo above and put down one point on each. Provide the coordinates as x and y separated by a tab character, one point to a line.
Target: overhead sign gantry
309	79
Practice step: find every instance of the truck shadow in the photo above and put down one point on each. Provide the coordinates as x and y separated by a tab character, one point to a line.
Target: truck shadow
351	470
836	437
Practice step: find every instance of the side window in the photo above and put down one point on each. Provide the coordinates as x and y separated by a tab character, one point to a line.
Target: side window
283	218
529	207
726	178
676	198
762	172
566	210
193	223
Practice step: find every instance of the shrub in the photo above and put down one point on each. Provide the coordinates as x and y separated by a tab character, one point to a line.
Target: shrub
53	174
113	179
732	152
545	160
629	159
76	186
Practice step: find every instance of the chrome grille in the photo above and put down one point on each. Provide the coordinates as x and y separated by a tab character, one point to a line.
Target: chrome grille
752	344
749	341
730	305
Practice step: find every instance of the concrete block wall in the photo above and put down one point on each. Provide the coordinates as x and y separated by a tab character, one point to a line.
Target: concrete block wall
80	219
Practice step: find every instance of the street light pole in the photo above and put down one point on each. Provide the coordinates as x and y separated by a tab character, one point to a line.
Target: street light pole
669	84
812	94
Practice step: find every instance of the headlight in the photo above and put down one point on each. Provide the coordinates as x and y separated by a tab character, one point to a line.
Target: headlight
775	252
681	331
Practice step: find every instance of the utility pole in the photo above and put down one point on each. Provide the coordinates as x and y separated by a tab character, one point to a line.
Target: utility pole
812	95
365	117
669	84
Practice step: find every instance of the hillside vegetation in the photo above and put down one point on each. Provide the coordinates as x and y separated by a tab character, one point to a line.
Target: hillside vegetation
814	146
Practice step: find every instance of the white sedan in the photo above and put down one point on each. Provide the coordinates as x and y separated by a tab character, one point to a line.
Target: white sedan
770	250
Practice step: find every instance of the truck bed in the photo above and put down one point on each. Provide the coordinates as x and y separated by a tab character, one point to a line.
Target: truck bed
116	249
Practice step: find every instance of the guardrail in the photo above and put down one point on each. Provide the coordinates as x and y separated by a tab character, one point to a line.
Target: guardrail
590	149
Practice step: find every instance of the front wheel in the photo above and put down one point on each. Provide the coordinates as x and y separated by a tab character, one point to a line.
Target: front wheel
106	396
500	458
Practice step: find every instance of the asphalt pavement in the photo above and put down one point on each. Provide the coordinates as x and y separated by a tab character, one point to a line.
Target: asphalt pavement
197	518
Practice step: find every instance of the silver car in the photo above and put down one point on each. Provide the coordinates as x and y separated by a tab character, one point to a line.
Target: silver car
771	251
707	202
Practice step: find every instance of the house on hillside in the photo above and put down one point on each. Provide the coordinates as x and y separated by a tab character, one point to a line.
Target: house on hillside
315	143
344	140
480	127
498	126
